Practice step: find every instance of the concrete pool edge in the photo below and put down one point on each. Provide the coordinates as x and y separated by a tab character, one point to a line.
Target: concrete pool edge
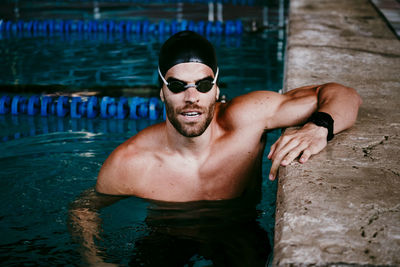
342	208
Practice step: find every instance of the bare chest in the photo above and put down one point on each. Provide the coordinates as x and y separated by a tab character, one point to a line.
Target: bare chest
224	173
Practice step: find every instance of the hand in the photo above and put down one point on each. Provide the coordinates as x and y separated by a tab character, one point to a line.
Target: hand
307	141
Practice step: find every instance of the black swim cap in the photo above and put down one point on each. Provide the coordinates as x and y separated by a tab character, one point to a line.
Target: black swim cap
186	46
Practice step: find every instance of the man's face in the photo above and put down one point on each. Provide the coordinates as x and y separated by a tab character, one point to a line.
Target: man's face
190	111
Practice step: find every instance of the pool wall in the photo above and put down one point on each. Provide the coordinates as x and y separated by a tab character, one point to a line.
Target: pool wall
342	208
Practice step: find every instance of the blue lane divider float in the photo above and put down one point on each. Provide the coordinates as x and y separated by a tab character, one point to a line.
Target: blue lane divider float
144	27
87	107
234	2
28	126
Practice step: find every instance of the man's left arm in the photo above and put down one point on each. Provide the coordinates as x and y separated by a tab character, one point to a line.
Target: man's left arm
84	224
336	100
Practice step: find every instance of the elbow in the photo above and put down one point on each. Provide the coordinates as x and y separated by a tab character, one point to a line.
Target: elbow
357	100
347	105
350	92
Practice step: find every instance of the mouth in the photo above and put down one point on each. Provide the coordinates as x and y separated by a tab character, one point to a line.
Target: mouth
191	114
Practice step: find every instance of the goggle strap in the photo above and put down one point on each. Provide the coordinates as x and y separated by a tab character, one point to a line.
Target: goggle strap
216	76
162	78
166	83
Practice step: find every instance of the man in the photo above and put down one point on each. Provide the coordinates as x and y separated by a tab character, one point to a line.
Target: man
207	150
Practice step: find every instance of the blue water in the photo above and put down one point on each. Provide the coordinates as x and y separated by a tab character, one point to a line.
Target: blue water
46	162
246	62
42	174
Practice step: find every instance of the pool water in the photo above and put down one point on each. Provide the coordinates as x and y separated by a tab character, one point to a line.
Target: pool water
47	162
247	62
43	174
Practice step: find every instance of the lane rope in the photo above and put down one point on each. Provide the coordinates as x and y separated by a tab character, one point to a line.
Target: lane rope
83	107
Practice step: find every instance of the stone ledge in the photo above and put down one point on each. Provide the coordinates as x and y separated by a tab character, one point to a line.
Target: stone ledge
342	208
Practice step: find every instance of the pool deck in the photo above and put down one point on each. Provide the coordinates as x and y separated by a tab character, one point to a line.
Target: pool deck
342	208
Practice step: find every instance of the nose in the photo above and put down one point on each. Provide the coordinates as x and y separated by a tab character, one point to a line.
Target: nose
192	95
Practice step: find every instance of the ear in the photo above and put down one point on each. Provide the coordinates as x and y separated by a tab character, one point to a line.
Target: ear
162	95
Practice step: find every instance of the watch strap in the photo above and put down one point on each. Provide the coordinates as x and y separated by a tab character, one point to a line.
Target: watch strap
324	120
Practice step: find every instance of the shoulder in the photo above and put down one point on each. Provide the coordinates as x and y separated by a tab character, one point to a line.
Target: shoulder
253	109
122	171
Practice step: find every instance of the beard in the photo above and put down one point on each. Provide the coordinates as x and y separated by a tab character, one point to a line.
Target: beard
191	129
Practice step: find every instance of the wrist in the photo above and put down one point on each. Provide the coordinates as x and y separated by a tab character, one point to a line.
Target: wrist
325	120
318	131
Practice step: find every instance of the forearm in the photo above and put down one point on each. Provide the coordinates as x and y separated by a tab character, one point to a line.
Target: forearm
85	223
84	226
340	102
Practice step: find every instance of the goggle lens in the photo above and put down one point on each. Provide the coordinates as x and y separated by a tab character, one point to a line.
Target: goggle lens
176	86
202	86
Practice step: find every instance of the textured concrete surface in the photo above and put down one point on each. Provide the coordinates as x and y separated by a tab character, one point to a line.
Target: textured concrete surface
342	208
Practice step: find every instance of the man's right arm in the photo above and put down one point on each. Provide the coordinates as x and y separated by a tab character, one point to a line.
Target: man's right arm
115	172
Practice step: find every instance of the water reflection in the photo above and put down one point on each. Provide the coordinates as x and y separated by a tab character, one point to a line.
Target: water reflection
217	233
16	127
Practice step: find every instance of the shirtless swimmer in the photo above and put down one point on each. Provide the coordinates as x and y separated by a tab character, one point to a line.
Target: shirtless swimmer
206	150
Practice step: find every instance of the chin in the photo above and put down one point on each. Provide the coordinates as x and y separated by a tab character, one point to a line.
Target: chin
191	134
191	131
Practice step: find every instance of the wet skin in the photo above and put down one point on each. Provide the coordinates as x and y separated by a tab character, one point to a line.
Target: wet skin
210	151
217	163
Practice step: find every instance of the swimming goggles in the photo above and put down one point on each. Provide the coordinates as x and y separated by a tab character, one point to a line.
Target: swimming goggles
177	86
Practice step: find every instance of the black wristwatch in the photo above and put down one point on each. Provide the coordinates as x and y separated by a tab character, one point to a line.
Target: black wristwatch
324	120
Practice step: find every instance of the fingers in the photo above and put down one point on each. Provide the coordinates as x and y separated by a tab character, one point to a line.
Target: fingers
307	141
285	152
294	153
274	170
276	162
278	143
284	155
305	156
272	149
